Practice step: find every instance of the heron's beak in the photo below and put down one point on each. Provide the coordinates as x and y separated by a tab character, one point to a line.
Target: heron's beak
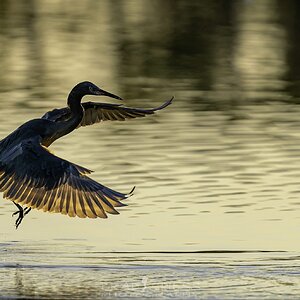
104	93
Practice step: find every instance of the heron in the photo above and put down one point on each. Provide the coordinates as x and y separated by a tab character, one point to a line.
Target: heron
32	177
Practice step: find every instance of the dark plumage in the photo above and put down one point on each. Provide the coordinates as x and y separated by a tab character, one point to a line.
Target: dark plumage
33	177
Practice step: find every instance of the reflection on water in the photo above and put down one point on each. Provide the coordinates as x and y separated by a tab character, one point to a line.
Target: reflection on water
219	169
49	272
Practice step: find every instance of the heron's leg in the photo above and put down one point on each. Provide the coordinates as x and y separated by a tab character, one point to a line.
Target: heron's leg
22	212
19	207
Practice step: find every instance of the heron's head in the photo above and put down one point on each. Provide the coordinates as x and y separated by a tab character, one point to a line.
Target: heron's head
88	88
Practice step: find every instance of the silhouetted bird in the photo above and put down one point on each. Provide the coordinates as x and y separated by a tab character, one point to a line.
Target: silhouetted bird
33	177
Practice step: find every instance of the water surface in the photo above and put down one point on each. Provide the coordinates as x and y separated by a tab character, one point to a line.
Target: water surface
217	172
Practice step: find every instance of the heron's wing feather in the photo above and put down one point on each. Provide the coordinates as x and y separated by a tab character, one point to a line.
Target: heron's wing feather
33	177
96	112
57	114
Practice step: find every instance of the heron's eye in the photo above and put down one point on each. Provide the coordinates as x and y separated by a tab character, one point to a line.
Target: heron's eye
91	89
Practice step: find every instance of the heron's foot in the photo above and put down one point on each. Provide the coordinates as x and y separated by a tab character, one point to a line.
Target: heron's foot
21	214
16	212
27	210
20	218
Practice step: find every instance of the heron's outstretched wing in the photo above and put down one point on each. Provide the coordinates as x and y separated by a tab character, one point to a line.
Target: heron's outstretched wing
96	112
33	177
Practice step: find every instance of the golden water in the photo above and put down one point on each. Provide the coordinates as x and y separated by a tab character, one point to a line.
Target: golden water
217	171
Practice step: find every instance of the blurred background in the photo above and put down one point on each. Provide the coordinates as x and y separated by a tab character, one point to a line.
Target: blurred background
217	169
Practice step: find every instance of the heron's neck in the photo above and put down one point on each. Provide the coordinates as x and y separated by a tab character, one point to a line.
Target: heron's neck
64	127
74	103
67	126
